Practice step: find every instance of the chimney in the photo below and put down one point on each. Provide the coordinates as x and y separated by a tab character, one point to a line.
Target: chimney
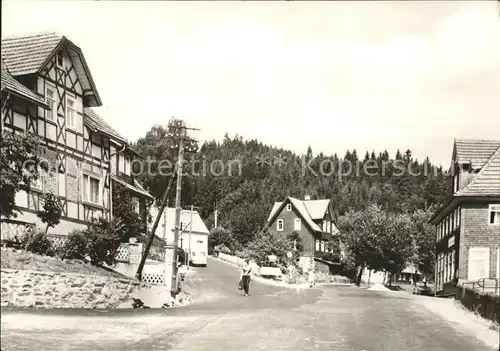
307	197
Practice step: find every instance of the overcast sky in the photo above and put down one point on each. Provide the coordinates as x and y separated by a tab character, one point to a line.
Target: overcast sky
337	76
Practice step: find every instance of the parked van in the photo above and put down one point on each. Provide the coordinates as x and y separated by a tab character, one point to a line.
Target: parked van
198	258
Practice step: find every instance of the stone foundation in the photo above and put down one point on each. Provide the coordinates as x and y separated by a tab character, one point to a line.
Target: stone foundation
23	288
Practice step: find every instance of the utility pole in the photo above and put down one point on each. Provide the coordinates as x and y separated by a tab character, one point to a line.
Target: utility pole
173	287
215	215
165	223
190	232
181	236
181	133
145	252
177	133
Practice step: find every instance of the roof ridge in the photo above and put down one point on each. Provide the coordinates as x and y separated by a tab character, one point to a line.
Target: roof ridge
487	140
33	34
302	202
490	160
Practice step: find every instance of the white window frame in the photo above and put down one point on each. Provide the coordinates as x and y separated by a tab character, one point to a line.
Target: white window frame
126	167
328	227
53	106
280	225
324	226
98	148
73	113
498	263
486	267
121	163
297	224
289	207
317	245
494	208
61	184
86	194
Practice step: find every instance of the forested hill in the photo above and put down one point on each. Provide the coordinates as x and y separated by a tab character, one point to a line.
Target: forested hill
244	178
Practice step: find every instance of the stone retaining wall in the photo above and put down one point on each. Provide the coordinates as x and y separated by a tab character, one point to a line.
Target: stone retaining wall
23	288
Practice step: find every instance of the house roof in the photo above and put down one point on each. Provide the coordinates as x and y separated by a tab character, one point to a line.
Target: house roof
477	152
96	122
137	188
484	184
487	181
29	54
317	208
309	210
196	227
274	210
14	86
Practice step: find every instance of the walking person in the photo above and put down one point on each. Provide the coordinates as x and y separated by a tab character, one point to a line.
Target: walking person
246	271
310	278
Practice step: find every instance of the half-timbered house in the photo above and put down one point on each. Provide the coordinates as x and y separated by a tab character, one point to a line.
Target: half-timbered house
83	151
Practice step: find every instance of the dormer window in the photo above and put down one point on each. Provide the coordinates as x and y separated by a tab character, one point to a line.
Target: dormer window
466	167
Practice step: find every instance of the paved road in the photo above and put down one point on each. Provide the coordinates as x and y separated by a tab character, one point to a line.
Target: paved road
271	318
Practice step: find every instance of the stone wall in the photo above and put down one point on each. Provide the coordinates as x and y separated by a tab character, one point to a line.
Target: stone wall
23	288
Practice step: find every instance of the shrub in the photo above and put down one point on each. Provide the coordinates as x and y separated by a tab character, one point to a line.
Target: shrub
75	246
36	241
124	212
15	241
100	242
266	244
330	257
51	213
97	241
223	249
221	237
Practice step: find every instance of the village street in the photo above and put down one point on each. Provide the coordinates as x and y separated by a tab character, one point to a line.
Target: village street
271	318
